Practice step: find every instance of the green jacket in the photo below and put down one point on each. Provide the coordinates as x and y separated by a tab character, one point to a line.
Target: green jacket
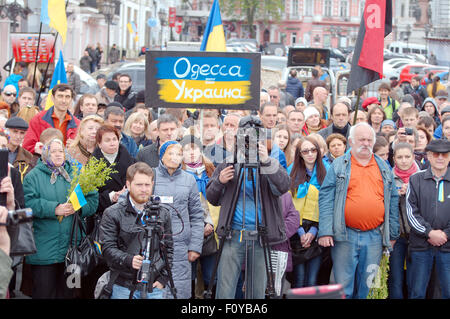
51	237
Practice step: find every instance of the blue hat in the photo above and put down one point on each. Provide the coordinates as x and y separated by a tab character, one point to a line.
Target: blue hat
164	147
389	122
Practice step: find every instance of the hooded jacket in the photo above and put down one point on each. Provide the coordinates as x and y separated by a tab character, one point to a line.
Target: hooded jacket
436	111
294	87
181	190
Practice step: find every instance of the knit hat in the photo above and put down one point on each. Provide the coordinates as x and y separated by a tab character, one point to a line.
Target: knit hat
164	147
301	99
389	122
309	111
368	101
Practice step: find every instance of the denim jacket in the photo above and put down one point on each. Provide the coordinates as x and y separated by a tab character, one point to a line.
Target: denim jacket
333	194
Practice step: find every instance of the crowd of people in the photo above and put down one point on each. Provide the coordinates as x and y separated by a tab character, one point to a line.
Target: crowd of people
339	184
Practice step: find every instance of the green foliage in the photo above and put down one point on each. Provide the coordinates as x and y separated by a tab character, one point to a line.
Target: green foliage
379	288
252	10
92	176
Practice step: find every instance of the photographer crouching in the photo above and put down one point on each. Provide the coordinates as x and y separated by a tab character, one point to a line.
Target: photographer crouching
135	262
237	219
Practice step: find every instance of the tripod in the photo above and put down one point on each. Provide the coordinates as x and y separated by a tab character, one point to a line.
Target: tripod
246	172
153	240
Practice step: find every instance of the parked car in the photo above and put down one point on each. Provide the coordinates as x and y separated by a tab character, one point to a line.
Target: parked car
410	71
278	49
337	54
392	68
388	55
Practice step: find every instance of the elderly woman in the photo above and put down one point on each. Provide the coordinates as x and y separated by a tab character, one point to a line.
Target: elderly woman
46	191
85	141
137	127
336	144
180	190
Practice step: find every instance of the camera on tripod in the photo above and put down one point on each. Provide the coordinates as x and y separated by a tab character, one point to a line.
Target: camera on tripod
151	210
250	135
19	216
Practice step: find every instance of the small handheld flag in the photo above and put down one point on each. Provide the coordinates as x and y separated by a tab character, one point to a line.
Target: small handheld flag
77	198
214	36
59	76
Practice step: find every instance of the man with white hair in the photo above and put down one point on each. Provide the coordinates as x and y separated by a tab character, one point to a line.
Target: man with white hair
358	213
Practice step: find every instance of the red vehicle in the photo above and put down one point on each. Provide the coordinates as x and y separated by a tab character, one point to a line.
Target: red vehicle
410	71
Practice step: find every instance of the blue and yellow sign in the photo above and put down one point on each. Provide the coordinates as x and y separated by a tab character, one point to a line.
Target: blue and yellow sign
203	80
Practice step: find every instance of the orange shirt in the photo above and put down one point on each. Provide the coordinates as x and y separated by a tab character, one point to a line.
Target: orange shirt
63	126
364	205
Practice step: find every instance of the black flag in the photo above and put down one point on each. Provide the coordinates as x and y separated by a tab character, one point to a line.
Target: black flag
370	43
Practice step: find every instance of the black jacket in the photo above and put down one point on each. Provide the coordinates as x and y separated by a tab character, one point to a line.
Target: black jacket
425	210
274	182
149	154
118	179
122	237
128	99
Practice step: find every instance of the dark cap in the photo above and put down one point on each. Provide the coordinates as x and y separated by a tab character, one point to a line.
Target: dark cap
445	110
116	104
100	76
112	85
438	146
140	97
441	94
17	123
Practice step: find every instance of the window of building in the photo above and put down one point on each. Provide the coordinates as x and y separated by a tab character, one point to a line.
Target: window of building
293	38
343	9
294	8
328	8
309	7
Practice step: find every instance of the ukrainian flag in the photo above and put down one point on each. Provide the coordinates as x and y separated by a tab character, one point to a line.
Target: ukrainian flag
59	76
53	13
77	198
214	36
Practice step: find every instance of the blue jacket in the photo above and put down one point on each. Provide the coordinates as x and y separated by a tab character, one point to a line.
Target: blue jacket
130	145
295	87
333	194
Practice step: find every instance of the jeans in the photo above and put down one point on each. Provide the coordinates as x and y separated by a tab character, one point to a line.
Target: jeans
421	266
207	264
306	273
120	292
397	270
356	261
233	256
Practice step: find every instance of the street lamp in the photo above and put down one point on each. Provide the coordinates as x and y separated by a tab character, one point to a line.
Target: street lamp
408	34
107	8
162	15
12	11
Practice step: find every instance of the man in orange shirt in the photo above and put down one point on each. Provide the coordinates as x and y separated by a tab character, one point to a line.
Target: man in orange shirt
358	213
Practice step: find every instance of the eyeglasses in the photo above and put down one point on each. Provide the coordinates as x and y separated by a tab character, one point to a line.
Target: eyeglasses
436	155
10	93
307	151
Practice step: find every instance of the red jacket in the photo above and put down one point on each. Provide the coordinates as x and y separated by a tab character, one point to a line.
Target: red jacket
41	121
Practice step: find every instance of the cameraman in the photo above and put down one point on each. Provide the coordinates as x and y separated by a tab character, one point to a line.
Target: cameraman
5	261
274	182
122	235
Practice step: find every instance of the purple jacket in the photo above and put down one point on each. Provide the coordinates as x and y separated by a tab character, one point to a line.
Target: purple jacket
292	223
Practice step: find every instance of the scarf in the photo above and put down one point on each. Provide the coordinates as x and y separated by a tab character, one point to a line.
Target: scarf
404	175
84	151
110	157
343	131
199	172
302	190
56	170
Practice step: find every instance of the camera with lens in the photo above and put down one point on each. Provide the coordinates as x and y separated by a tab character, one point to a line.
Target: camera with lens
19	216
409	131
151	210
250	134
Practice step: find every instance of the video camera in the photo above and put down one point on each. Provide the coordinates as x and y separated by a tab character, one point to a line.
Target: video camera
151	210
250	134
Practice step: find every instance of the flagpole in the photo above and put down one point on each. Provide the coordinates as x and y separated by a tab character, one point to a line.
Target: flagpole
357	106
48	64
37	55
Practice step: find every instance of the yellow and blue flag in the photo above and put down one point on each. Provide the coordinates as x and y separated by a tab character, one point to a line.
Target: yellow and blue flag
132	28
53	13
214	36
59	76
77	198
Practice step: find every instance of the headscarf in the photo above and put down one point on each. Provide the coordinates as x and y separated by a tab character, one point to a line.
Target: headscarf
56	170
